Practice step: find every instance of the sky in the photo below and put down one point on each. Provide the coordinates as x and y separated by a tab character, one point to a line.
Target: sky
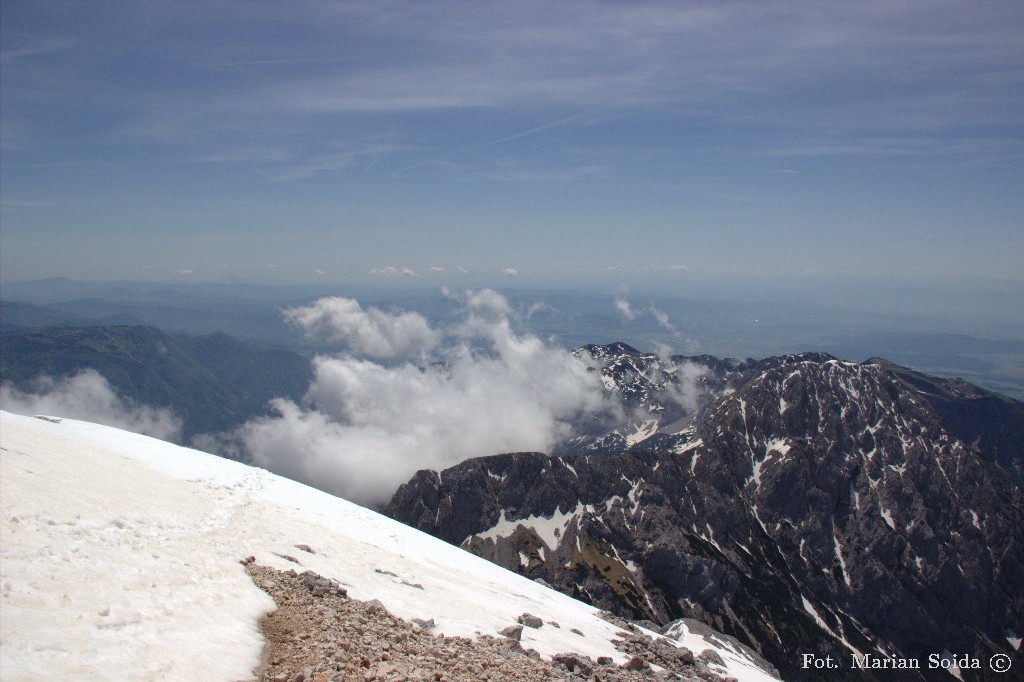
529	142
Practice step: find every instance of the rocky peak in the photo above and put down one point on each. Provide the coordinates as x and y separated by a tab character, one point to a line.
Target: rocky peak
817	505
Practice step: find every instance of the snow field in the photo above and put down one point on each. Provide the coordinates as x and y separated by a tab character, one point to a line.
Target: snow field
119	559
111	570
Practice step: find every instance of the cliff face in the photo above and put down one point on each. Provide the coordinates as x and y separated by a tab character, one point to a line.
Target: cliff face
814	505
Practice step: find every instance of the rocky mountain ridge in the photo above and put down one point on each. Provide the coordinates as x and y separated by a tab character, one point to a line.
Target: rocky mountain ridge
806	504
662	396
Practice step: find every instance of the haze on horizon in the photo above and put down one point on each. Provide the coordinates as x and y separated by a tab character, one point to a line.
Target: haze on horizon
545	145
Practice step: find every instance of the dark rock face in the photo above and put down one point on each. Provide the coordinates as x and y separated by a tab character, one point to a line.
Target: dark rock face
663	398
815	506
666	398
991	423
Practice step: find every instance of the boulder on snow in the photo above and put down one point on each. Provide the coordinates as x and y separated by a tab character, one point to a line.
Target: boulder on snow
530	621
512	632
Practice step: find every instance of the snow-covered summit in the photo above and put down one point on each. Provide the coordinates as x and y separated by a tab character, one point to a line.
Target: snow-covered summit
119	559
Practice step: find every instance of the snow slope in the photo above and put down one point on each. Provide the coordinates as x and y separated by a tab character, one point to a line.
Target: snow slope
119	559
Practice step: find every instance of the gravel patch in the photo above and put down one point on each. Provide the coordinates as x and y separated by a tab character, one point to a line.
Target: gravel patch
319	634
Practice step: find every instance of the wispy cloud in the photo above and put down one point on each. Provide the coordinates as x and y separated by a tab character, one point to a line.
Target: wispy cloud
346	60
653	116
663	319
624	308
502	140
22	203
394	271
27	48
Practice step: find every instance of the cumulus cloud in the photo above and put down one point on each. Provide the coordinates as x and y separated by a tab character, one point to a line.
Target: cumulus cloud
365	427
369	332
485	304
89	397
511	272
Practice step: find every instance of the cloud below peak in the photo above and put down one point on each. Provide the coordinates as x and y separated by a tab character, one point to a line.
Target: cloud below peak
88	396
369	332
365	427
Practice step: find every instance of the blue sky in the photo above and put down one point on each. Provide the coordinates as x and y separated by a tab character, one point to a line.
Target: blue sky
545	143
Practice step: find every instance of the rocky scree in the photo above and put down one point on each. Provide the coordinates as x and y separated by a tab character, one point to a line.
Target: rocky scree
319	634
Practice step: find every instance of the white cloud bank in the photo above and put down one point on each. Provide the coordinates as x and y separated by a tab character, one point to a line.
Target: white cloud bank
369	332
88	396
365	427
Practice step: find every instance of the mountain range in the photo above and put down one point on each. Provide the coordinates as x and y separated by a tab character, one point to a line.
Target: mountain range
798	503
987	347
212	382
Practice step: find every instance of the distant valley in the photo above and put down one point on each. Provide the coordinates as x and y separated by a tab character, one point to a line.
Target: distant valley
211	382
